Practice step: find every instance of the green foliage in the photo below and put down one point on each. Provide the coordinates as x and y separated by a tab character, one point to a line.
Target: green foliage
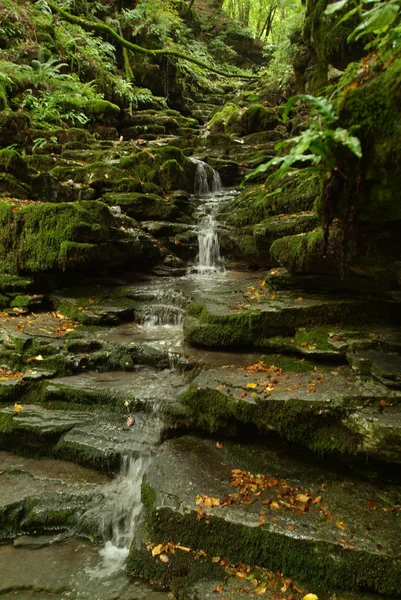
377	21
318	146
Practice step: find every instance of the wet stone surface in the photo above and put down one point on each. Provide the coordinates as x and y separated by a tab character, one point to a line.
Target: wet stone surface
306	508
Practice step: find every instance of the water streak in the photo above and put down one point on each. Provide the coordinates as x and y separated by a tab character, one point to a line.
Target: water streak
208	185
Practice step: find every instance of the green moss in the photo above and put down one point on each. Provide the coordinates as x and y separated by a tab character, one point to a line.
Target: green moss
21	301
171	176
374	107
101	110
6	422
219	120
312	562
43	237
12	162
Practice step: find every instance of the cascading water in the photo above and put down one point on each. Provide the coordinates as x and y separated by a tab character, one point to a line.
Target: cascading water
208	186
121	513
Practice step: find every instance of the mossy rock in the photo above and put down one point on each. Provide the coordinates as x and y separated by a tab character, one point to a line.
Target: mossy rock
375	108
143	207
219	120
53	237
11	162
12	188
305	252
14	128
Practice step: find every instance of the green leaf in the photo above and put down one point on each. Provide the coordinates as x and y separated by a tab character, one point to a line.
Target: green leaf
347	16
351	142
335	6
380	17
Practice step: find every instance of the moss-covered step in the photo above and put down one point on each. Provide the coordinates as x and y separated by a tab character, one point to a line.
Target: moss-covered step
326	411
80	236
285	513
253	242
255	203
241	315
146	389
98	439
39	496
143	207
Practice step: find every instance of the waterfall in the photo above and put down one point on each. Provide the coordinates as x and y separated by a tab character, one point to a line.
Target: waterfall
121	513
208	186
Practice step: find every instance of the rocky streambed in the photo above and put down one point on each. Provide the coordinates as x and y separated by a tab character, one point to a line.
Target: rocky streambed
200	426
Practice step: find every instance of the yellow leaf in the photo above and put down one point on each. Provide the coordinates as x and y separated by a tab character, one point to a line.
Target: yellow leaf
157	550
215	559
183	548
164	558
274	505
198	499
260	590
303	498
341	525
39	357
91	300
310	597
17	408
254	395
251	386
298	299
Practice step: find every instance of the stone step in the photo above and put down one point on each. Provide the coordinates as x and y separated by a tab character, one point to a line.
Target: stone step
330	411
96	440
43	495
246	313
261	505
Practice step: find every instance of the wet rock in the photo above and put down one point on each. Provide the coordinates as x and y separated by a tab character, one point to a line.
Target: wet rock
326	411
97	440
245	317
41	496
333	540
143	207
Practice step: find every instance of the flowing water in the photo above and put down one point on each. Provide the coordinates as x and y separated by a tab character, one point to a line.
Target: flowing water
208	188
88	573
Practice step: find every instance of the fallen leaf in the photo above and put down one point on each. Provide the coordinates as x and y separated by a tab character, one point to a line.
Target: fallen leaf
341	525
164	558
157	550
251	386
219	445
219	588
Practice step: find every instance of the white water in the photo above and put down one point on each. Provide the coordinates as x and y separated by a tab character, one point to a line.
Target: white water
122	510
208	186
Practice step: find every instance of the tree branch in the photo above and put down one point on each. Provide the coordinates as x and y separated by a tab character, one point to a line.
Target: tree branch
102	28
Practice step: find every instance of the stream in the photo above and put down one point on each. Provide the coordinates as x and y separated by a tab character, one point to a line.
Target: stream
62	569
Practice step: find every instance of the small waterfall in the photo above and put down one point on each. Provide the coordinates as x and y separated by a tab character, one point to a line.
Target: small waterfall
122	511
207	180
208	185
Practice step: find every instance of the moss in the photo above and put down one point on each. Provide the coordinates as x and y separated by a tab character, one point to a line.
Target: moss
148	495
101	110
171	176
13	283
374	107
306	423
21	301
315	563
298	252
6	422
219	120
54	237
12	162
11	187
